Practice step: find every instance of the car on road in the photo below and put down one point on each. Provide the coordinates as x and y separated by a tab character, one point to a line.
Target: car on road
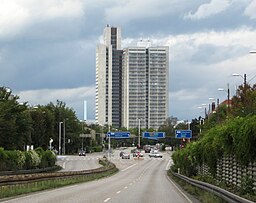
82	153
155	154
121	154
126	156
137	153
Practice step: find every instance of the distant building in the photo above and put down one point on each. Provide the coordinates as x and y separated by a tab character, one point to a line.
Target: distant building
109	78
145	88
131	83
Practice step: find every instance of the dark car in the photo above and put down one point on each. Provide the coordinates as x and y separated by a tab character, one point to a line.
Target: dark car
82	153
121	154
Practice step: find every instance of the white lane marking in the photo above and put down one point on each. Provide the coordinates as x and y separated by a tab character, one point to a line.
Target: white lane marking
125	187
118	192
107	199
168	165
129	167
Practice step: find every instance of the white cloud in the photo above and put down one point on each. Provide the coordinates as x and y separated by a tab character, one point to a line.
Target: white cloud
251	10
74	98
183	47
44	96
12	17
209	9
16	15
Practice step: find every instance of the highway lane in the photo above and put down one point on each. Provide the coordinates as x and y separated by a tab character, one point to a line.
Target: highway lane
142	180
79	163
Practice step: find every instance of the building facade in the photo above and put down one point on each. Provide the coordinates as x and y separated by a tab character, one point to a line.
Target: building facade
131	83
145	87
108	78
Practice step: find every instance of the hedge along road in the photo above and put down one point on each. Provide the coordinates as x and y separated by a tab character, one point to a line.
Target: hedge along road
79	163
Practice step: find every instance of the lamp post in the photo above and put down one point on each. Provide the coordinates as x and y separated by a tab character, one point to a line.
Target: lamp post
109	143
244	77
239	75
60	137
228	92
64	137
139	134
51	140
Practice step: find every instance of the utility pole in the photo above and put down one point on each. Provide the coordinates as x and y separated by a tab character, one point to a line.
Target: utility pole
60	137
109	143
244	79
139	134
228	99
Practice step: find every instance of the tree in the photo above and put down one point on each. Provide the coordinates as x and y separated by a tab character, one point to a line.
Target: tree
15	126
73	127
244	103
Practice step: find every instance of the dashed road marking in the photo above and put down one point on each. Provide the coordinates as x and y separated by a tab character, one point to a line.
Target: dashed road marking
129	167
118	192
107	199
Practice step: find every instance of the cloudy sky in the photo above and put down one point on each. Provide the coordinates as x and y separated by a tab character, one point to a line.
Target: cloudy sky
47	48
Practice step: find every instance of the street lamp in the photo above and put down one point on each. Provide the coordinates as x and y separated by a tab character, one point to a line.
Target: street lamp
51	140
203	106
64	136
109	142
213	105
244	77
228	91
60	137
239	75
139	134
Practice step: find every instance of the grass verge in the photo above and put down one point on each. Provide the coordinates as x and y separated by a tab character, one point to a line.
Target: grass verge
202	195
14	190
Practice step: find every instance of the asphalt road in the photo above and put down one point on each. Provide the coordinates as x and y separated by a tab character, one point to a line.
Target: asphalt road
79	163
141	180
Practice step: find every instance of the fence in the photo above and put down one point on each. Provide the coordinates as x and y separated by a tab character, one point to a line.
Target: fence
231	172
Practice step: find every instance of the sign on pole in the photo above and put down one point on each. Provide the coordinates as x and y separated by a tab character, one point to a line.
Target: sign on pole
183	134
153	135
118	134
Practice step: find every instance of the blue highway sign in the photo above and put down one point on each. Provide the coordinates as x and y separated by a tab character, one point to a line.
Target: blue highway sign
118	134
153	135
183	134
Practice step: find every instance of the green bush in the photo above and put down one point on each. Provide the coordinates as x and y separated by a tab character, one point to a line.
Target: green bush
3	159
97	148
15	160
50	157
32	160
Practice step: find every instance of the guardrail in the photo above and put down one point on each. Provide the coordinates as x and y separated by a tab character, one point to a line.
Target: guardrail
38	170
29	178
224	194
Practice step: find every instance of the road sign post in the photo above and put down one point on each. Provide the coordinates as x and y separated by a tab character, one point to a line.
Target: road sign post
180	134
118	135
153	135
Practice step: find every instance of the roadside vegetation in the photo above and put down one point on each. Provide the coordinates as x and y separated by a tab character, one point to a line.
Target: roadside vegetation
14	160
200	194
60	181
231	130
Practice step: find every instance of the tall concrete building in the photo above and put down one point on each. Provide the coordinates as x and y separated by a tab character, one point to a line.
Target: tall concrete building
131	84
109	78
145	88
